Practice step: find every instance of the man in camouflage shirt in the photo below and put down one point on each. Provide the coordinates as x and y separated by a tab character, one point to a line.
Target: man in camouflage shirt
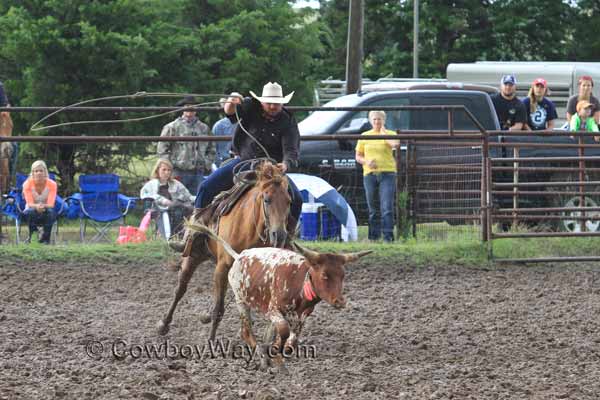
191	160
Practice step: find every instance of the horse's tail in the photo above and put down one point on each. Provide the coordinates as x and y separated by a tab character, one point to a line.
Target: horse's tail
197	227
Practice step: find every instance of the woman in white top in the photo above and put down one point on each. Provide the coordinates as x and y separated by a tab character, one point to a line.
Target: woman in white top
171	199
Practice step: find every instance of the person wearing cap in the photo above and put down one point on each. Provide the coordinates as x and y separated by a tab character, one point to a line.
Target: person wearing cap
540	110
583	120
586	84
510	110
223	127
191	160
272	126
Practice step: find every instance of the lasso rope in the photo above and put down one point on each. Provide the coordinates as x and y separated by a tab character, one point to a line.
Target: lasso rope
35	128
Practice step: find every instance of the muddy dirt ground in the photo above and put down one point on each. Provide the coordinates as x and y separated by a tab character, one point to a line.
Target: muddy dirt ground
429	333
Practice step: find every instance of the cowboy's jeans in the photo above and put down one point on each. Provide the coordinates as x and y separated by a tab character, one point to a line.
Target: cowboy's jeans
222	179
382	185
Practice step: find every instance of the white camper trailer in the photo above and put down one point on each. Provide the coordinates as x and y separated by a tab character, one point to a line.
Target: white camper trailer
562	77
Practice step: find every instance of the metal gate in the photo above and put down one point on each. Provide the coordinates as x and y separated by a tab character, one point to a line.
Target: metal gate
543	188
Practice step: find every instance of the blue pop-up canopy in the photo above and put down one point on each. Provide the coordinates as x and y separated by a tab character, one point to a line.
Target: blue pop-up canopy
324	193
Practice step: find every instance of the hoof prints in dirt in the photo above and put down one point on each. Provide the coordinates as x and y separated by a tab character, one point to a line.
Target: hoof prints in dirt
444	332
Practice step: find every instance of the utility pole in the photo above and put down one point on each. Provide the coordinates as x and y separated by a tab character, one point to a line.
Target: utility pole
416	39
354	49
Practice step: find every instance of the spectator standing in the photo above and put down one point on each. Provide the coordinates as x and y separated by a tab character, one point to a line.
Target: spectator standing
586	84
510	110
223	127
583	120
379	177
168	195
540	111
40	197
190	160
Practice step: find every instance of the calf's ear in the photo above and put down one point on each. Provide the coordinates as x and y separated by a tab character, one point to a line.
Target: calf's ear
355	256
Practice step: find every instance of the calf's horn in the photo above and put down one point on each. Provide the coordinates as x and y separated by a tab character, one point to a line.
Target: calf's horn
355	256
304	251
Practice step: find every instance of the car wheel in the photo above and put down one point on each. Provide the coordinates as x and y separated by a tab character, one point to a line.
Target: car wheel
569	200
576	225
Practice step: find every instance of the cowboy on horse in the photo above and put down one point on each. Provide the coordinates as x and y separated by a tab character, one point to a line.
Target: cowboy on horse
265	129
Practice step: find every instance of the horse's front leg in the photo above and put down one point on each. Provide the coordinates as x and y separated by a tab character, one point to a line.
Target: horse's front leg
188	266
220	289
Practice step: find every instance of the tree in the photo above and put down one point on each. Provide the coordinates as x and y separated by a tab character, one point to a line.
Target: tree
56	53
584	45
462	31
530	31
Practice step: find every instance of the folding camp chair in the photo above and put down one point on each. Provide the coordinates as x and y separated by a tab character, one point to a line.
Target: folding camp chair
14	207
100	204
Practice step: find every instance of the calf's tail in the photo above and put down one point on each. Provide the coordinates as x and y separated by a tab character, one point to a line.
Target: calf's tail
197	227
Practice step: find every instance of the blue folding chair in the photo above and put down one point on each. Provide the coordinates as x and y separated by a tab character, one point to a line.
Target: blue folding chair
14	206
100	204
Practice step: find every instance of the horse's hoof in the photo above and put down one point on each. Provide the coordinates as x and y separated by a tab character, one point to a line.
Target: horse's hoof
162	328
205	318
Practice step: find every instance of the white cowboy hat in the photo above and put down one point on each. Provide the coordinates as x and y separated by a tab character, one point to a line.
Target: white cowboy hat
272	93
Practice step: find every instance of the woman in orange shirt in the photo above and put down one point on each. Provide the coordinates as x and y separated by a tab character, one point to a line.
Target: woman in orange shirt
40	196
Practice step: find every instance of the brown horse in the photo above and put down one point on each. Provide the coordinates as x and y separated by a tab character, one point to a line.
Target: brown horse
258	219
6	149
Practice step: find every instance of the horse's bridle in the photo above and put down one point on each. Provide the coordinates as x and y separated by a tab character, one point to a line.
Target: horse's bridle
264	235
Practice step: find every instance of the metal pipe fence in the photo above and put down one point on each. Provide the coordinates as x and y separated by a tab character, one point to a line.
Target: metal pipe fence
479	181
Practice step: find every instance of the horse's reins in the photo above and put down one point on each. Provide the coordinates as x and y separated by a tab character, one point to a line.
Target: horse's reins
261	235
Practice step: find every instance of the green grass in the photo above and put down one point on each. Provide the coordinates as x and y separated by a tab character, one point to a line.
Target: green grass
145	253
546	247
456	246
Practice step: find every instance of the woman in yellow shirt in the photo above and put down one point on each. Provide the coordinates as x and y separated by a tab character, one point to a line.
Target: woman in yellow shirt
379	176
